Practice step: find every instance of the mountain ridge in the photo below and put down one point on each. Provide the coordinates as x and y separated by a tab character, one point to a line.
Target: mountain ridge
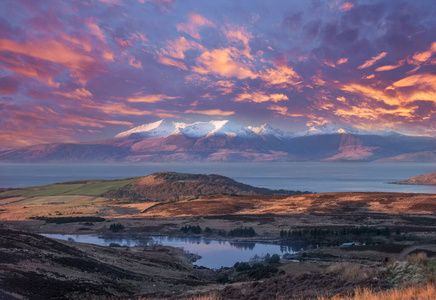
227	141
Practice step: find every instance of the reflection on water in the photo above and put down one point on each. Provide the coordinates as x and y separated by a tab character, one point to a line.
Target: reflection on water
214	253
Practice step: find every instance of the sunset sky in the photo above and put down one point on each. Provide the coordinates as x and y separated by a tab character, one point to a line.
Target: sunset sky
83	70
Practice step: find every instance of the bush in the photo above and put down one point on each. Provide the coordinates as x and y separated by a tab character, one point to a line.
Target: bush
273	259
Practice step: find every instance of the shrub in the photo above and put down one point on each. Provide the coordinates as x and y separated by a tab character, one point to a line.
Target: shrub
273	259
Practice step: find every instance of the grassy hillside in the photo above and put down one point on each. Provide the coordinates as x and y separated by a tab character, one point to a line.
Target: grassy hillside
80	187
155	187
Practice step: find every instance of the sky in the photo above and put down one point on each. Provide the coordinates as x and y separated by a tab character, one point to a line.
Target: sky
79	71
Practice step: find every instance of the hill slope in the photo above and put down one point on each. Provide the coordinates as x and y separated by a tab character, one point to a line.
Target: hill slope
155	187
427	179
172	185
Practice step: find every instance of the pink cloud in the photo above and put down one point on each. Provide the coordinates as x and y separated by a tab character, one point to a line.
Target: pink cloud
172	62
193	26
259	97
211	112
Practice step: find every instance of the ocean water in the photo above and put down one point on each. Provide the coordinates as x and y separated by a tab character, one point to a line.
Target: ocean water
304	176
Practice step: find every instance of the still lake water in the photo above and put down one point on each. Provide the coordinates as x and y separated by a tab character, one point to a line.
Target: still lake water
214	253
311	176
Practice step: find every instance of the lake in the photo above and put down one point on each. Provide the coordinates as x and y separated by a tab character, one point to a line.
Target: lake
312	176
214	253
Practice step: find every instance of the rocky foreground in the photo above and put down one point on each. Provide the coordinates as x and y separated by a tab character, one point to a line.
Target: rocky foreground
35	267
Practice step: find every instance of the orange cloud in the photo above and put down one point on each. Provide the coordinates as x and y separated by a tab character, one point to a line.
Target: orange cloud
371	76
135	63
79	93
171	62
318	80
114	122
119	108
370	92
341	61
372	61
423	79
192	27
423	87
177	48
347	6
240	35
259	97
282	75
223	62
282	110
375	113
211	112
329	63
40	72
108	56
224	86
138	97
390	67
77	42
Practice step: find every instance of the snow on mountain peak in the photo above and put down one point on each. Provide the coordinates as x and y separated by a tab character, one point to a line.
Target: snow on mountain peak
268	130
164	128
161	128
330	128
229	128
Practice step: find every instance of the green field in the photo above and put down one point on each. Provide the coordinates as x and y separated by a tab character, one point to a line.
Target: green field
80	187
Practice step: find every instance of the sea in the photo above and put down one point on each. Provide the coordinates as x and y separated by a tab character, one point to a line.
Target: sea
303	176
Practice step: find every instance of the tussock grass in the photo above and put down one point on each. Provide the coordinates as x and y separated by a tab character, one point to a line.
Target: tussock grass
427	292
349	271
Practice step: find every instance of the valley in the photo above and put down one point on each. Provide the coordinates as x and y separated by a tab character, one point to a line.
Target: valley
386	229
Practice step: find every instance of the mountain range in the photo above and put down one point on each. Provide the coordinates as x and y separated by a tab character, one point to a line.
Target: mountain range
225	141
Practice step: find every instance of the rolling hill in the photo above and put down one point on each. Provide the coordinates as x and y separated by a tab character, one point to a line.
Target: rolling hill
155	187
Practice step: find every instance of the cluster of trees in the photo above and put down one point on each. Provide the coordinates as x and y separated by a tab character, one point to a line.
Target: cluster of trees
116	227
321	232
192	229
242	232
238	232
259	270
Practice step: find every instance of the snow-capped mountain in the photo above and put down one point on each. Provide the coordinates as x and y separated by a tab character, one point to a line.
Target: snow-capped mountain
331	128
165	128
224	140
267	130
162	128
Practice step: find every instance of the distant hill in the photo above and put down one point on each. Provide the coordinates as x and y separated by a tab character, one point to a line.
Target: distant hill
159	186
427	179
226	141
172	185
